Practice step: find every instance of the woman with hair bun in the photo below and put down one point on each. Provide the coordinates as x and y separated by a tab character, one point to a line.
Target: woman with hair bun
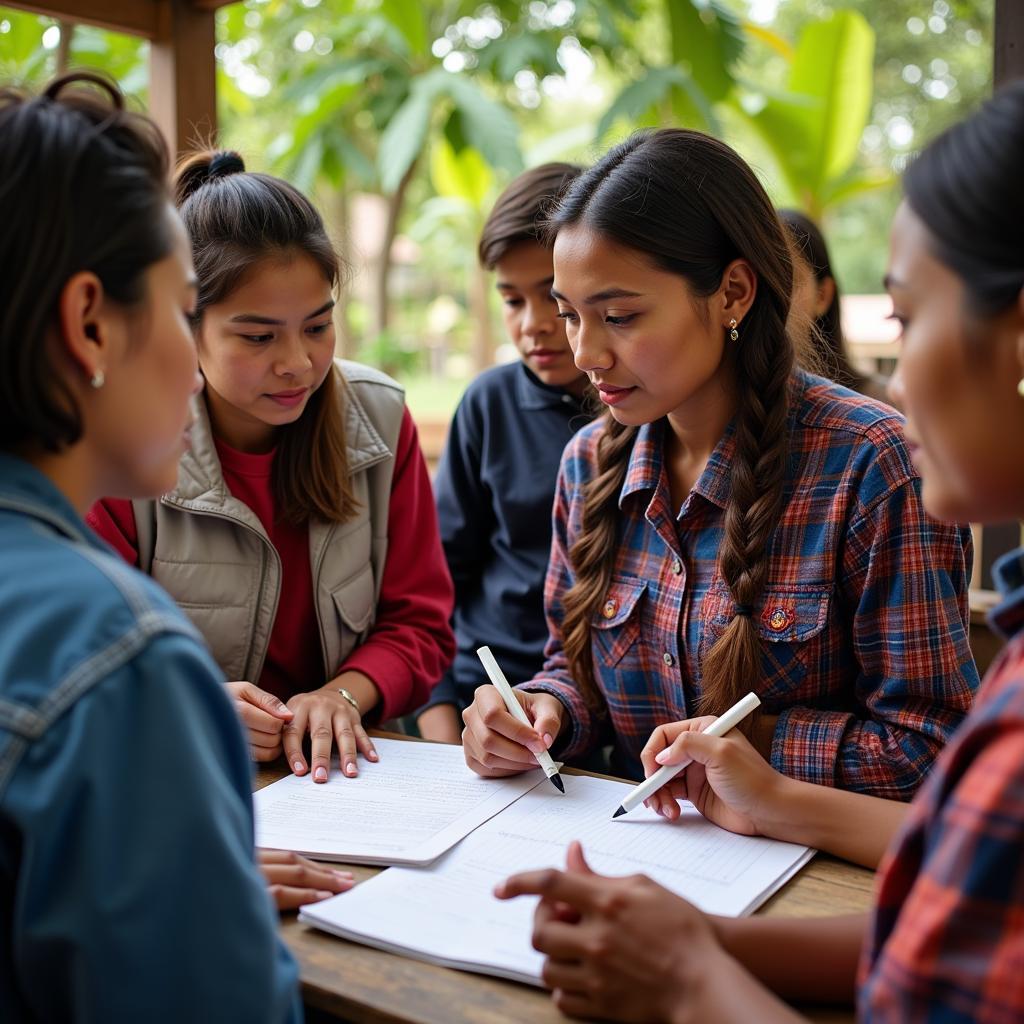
301	536
128	886
732	523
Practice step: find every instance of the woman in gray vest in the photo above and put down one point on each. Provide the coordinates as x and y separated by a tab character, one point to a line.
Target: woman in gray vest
301	537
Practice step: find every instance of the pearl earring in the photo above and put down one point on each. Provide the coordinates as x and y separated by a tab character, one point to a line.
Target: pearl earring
98	379
734	335
1020	387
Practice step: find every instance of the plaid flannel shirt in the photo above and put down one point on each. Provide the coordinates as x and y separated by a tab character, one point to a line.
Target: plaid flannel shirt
863	620
947	940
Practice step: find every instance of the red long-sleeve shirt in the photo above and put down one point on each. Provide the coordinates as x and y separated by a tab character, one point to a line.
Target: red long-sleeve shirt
411	643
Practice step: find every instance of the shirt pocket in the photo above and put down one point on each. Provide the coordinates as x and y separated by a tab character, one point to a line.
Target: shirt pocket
615	626
791	624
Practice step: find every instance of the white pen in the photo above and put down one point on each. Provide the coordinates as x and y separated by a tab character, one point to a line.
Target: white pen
719	727
497	677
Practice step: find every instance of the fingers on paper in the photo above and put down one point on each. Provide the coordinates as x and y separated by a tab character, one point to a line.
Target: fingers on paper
365	744
293	880
291	740
321	740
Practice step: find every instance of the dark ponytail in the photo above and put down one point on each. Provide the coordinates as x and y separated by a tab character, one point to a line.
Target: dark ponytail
83	187
692	206
237	220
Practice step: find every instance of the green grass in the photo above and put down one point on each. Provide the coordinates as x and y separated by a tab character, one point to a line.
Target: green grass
432	398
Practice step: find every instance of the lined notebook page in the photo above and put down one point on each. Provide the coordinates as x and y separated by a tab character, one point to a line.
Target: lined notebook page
408	808
446	913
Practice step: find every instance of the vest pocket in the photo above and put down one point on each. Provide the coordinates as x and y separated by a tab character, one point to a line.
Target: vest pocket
354	601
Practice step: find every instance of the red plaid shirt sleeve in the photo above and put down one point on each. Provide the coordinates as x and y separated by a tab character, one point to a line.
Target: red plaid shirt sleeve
947	942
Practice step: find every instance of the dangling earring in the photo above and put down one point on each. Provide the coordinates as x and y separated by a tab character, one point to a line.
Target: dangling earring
98	379
1020	387
734	335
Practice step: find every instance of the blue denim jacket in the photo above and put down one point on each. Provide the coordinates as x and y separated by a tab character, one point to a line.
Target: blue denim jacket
128	889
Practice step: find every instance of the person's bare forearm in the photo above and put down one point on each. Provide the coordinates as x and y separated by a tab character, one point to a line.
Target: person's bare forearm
852	826
806	959
730	994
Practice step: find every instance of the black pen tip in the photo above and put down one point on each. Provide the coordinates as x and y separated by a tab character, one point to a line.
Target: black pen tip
556	781
619	813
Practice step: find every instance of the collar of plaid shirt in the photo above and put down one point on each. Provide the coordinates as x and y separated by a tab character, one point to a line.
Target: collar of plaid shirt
647	465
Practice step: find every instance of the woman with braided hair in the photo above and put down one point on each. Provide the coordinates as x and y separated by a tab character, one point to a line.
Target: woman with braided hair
733	523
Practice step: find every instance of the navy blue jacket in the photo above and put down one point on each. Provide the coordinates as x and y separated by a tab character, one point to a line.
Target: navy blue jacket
495	487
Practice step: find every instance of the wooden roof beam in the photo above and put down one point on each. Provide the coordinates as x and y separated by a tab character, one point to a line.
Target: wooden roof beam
147	18
136	17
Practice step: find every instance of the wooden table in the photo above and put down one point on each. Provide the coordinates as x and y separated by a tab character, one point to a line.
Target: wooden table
348	982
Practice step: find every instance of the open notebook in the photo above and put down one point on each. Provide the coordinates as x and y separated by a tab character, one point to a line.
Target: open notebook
419	800
446	913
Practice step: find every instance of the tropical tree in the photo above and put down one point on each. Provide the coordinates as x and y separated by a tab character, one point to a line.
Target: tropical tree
681	58
813	130
429	107
373	95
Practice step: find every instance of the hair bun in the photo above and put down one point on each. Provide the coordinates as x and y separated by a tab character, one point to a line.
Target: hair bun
226	162
199	168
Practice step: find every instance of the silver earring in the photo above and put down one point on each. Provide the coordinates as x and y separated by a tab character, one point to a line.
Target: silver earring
734	335
98	379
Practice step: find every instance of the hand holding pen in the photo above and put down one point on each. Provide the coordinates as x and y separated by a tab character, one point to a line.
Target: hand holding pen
497	741
665	756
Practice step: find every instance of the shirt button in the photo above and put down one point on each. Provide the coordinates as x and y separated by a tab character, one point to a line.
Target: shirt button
668	659
609	610
677	566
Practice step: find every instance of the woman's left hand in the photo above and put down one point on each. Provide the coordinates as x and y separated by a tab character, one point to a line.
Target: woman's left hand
619	948
329	719
294	881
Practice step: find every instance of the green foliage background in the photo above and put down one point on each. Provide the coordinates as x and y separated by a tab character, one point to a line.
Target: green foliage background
431	105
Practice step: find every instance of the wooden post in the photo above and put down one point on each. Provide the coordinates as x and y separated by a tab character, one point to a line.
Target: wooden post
183	80
1008	41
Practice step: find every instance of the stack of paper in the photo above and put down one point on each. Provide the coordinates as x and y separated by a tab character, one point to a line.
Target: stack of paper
419	800
446	913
